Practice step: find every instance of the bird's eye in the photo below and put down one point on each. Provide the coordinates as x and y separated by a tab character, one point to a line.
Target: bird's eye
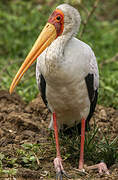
58	18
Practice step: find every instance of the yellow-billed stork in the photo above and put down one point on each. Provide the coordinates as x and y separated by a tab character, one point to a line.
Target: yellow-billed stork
67	76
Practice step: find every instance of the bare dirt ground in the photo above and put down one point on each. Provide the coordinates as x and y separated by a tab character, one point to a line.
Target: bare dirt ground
21	123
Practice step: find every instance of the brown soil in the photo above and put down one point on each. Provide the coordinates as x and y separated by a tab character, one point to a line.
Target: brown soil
21	124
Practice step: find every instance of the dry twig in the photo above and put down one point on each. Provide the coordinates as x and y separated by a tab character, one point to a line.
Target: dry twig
38	162
89	14
111	60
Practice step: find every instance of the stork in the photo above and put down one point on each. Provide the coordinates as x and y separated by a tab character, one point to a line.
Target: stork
67	77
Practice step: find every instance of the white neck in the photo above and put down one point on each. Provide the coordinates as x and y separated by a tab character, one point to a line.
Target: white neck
55	52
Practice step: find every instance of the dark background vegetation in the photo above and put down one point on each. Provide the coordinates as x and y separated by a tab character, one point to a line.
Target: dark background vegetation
21	21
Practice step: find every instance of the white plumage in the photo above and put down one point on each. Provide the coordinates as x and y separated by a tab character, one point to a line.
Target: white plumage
64	66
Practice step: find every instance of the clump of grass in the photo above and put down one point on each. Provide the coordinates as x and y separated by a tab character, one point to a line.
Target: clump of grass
108	150
91	145
104	149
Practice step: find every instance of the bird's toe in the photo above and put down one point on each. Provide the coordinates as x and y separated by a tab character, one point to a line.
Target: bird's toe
59	169
61	174
102	167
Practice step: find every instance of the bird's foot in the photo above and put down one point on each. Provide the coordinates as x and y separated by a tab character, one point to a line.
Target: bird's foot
102	168
59	169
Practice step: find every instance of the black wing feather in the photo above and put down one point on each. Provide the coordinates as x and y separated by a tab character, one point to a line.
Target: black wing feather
42	88
93	95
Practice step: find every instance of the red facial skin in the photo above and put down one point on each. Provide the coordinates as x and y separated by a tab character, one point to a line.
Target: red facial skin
57	19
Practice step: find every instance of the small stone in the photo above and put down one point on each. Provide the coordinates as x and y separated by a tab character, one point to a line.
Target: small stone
103	114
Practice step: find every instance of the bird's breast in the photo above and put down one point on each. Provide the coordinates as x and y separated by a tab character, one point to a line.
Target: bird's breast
69	100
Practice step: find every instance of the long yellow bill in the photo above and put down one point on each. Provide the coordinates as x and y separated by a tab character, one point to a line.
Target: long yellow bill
47	35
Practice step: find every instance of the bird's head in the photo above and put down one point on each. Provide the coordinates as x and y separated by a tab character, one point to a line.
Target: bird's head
65	19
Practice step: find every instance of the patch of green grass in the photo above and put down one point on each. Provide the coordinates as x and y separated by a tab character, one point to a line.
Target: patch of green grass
9	171
22	21
29	156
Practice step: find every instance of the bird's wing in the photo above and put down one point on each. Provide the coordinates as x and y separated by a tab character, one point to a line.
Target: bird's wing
92	83
41	83
92	78
93	67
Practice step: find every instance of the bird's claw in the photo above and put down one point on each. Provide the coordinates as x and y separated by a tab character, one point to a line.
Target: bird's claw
60	174
102	168
59	169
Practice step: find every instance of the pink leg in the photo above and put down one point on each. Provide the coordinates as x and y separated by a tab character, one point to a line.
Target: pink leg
56	135
101	166
58	160
81	160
